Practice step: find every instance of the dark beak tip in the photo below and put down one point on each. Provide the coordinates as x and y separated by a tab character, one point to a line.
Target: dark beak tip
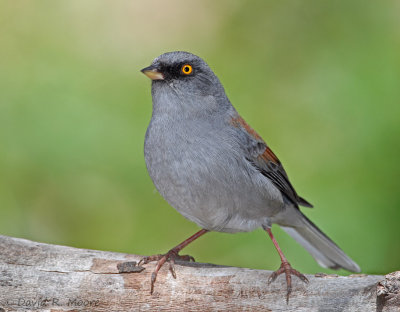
147	69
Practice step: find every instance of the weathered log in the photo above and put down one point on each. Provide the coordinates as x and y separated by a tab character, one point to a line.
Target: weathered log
43	277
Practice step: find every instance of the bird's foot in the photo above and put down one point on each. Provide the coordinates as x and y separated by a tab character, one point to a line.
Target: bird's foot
289	271
170	257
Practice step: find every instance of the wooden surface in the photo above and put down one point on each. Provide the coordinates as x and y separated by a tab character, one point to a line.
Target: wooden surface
42	277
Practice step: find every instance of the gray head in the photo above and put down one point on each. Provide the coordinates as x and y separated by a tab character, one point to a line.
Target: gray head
183	81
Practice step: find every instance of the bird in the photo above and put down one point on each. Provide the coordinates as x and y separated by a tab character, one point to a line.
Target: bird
216	171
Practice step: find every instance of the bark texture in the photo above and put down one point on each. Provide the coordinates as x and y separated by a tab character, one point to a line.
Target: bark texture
42	277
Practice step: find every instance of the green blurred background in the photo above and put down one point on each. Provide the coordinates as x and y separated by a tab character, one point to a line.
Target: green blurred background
319	80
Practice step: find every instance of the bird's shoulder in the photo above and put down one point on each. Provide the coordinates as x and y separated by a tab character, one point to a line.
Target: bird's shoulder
260	155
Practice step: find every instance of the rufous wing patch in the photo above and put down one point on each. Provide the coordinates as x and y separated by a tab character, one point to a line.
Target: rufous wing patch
268	154
239	122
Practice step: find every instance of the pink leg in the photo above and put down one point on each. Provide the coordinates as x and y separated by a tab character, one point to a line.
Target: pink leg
170	256
284	268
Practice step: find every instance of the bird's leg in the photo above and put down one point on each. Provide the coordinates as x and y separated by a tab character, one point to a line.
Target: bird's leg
170	256
284	268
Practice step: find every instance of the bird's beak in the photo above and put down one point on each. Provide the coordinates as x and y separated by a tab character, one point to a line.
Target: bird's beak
153	73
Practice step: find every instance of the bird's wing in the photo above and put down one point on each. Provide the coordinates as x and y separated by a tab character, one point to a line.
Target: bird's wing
262	158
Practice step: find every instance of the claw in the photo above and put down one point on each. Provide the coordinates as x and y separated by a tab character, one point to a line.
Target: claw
142	261
187	258
170	256
148	259
272	278
153	280
172	267
284	268
274	275
289	271
288	292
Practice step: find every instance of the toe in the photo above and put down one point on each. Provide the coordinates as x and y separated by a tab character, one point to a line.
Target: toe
303	278
153	280
172	268
288	292
272	277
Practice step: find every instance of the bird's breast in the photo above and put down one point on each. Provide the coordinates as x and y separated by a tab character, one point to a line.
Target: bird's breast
201	171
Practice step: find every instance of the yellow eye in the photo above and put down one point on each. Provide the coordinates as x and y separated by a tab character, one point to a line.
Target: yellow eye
187	69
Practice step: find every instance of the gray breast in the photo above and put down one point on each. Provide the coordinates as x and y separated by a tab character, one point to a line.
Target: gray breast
201	171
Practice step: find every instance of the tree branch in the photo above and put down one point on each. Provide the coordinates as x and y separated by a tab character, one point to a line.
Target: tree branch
37	277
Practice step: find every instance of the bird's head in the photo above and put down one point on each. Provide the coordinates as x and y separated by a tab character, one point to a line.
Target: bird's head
183	78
